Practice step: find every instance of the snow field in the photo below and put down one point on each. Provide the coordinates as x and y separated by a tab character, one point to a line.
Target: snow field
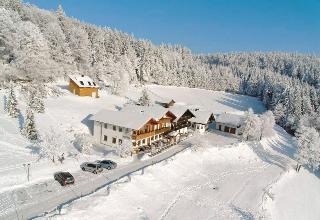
294	196
218	178
208	181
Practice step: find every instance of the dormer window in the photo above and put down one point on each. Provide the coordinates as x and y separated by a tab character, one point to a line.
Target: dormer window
89	83
81	82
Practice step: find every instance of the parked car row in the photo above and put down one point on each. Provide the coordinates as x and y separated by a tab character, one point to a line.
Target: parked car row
65	178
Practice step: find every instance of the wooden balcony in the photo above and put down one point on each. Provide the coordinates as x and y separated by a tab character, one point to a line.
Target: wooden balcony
143	135
162	130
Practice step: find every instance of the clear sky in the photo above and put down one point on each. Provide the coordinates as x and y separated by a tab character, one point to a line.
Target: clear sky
207	25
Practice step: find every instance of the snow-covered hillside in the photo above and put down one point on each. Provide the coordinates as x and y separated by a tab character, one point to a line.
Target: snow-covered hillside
218	177
66	117
296	196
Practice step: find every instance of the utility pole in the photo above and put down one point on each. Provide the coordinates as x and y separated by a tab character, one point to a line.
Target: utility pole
27	165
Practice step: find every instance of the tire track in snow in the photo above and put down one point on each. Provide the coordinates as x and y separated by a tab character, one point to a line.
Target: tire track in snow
210	183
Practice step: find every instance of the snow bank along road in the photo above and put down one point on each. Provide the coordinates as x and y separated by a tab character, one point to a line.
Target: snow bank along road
29	202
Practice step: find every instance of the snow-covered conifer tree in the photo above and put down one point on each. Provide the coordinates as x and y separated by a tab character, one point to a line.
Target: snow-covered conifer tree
29	128
279	114
267	123
251	127
36	103
11	105
144	99
60	12
308	147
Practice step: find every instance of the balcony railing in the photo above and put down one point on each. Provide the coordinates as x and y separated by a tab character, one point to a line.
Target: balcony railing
162	130
150	133
143	135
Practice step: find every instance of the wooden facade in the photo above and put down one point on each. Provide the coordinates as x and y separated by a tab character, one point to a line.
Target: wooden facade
153	131
183	121
83	91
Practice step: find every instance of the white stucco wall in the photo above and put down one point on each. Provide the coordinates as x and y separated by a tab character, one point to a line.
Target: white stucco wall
100	131
223	126
201	128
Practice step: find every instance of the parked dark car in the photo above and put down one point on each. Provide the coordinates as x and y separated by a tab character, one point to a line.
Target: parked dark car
107	164
91	167
64	178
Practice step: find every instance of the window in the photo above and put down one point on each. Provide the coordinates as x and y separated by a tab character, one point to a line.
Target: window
139	142
114	127
144	141
89	83
120	141
105	137
105	126
94	83
114	140
134	143
81	82
120	129
152	138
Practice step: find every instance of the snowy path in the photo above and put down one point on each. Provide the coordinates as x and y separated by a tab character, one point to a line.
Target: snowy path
42	197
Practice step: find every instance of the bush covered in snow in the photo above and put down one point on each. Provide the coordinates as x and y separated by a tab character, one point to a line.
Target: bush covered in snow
84	143
52	145
256	127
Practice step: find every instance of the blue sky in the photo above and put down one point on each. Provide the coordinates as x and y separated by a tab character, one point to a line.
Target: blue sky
207	26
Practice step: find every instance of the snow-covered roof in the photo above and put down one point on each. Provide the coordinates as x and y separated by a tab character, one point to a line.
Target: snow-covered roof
201	117
83	81
165	100
154	111
126	119
230	119
178	111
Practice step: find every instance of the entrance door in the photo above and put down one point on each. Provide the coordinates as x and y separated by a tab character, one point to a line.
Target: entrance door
226	129
219	127
232	130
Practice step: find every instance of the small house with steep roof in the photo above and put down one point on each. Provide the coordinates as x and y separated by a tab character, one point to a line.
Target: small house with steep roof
202	120
82	85
230	123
